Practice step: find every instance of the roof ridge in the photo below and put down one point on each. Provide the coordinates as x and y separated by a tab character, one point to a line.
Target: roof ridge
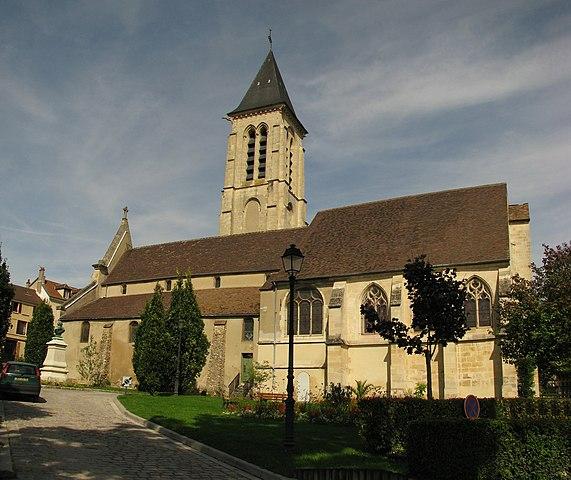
417	195
234	235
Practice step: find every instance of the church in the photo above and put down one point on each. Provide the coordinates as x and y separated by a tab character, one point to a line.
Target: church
353	255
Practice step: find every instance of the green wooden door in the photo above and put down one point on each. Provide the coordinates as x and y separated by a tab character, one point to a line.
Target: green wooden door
247	365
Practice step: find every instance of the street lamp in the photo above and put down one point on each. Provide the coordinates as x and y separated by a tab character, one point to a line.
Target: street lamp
292	260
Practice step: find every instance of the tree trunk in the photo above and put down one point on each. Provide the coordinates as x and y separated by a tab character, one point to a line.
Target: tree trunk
427	357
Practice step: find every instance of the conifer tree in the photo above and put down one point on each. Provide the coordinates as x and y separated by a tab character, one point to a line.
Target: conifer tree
152	355
6	296
186	328
40	332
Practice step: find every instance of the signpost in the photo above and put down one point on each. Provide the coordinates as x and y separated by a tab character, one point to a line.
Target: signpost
126	382
471	407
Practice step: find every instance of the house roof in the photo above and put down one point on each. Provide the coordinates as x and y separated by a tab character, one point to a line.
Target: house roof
218	302
26	295
266	90
52	289
244	253
452	227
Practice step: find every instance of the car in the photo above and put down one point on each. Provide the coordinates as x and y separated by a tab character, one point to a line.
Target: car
20	378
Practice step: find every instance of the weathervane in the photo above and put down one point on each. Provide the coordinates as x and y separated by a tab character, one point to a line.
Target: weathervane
270	37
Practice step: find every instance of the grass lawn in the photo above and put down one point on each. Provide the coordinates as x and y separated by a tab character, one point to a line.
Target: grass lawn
257	441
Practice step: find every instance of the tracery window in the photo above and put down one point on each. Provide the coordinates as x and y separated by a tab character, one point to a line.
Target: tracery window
374	297
250	154
262	148
478	304
133	331
307	312
84	336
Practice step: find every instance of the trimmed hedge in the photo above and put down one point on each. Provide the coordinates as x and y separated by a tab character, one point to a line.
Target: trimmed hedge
383	421
486	449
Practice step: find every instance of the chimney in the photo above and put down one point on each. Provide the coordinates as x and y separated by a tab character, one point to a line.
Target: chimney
41	279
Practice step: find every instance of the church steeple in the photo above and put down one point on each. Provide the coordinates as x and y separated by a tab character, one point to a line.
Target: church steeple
267	90
264	182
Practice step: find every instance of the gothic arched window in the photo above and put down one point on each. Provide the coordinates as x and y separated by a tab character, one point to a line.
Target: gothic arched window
250	154
262	152
307	312
374	297
84	336
133	331
478	304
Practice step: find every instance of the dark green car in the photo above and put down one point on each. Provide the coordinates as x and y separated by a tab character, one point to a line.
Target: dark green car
20	378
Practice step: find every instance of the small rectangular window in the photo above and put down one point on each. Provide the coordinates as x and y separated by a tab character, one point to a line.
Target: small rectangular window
21	327
168	285
17	307
248	330
216	282
124	289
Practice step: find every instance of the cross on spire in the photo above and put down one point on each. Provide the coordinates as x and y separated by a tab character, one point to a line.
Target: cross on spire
270	37
125	210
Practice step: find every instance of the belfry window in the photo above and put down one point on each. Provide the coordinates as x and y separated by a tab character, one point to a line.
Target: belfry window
262	152
307	312
478	304
374	297
290	169
250	154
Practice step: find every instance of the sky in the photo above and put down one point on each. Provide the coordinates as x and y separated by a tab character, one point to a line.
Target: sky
112	103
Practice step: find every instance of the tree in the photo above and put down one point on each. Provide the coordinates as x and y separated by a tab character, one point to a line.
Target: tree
91	365
186	327
40	332
437	303
152	354
6	296
535	320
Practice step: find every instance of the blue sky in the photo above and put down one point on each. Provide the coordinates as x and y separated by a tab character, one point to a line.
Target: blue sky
105	104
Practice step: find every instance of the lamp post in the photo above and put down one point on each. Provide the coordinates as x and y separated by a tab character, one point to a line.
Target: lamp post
292	260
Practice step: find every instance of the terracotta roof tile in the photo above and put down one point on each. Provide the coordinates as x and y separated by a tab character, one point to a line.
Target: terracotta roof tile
219	302
26	295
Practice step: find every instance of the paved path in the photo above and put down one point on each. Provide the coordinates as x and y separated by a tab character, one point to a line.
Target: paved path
78	434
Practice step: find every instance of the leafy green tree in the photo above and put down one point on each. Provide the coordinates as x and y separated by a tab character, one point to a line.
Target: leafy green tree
6	296
437	303
40	332
535	320
186	327
152	354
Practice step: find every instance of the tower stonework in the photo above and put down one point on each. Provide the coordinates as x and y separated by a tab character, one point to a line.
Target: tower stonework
264	178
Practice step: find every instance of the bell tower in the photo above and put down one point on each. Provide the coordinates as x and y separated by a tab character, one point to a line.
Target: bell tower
264	180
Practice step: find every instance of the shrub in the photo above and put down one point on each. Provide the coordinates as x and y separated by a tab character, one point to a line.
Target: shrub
383	421
91	365
488	449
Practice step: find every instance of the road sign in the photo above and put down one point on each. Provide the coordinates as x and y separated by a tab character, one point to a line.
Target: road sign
471	407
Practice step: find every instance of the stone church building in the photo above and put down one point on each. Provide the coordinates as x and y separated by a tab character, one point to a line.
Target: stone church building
353	255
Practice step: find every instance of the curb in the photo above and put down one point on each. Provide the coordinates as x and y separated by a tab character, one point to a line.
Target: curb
6	464
235	462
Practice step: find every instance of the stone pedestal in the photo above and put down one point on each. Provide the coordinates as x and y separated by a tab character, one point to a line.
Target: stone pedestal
55	366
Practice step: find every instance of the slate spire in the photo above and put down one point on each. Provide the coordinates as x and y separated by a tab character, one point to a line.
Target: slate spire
267	89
